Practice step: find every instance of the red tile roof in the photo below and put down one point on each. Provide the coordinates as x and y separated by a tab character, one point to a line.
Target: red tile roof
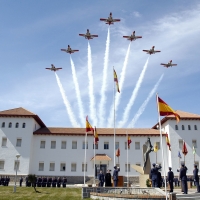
101	157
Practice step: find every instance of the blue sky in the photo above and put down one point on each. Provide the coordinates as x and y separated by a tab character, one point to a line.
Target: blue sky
33	32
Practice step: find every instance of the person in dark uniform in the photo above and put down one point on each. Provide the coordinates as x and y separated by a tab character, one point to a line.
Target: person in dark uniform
154	175
101	179
196	177
159	177
20	181
170	178
108	179
183	178
115	175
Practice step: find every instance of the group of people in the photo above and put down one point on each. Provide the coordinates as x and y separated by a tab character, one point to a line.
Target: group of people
156	178
107	178
4	180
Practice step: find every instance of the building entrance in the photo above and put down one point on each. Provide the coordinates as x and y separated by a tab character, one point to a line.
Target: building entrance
102	167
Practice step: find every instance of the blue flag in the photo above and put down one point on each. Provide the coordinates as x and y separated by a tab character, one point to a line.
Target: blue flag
179	154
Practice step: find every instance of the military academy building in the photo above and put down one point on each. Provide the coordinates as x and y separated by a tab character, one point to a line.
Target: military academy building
54	151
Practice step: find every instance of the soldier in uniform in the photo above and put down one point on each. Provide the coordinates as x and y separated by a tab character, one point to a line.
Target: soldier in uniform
20	181
154	175
170	178
183	178
115	175
196	177
101	179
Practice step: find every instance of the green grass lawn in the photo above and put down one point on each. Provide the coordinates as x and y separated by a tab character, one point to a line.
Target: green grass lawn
25	193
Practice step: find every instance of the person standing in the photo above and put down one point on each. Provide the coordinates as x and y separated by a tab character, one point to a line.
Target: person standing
20	181
101	179
108	179
183	178
154	175
170	178
196	177
115	175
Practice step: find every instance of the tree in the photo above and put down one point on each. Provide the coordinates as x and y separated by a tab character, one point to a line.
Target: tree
32	179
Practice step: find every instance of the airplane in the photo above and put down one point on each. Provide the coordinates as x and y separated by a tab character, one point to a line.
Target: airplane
169	64
132	37
88	35
110	20
69	50
151	51
53	68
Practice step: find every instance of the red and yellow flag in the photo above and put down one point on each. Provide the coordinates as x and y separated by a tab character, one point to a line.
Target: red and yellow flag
116	80
129	142
167	141
96	138
184	149
165	110
88	126
118	152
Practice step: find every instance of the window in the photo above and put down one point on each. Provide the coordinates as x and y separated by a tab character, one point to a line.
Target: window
41	166
17	125
106	145
63	145
180	144
52	167
189	128
176	127
16	165
196	163
74	144
96	146
85	145
183	128
62	166
126	167
195	127
73	167
19	142
10	125
53	144
194	143
83	164
3	124
137	145
42	144
4	142
116	145
1	164
23	125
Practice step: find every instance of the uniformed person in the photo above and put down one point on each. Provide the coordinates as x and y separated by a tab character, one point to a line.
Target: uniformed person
154	175
170	178
20	181
101	179
183	178
196	177
115	175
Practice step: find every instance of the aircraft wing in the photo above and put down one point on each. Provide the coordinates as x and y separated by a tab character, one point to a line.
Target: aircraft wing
103	19
163	64
63	49
126	36
74	51
48	68
58	68
157	51
94	35
82	34
174	64
116	20
146	51
138	37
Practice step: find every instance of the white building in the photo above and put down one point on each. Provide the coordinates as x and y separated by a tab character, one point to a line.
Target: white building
49	151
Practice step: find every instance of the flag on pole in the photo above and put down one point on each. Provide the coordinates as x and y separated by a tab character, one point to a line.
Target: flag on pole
88	126
179	154
118	152
96	136
167	141
166	109
184	149
155	147
116	80
193	150
129	141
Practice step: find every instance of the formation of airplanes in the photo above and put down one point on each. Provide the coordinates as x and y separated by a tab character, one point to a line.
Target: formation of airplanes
132	37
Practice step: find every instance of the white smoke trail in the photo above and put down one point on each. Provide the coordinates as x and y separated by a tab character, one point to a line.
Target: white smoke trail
67	104
90	87
133	97
78	95
121	83
104	82
143	106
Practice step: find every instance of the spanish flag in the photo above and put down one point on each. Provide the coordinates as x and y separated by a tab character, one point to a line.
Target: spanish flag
165	110
155	147
116	80
129	142
118	152
88	126
167	141
96	138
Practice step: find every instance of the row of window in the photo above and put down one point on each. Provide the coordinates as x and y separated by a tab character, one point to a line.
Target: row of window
16	164
194	144
3	125
183	127
18	142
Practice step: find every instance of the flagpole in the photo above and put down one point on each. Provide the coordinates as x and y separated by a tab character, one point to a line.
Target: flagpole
94	155
127	157
85	157
161	145
156	156
114	116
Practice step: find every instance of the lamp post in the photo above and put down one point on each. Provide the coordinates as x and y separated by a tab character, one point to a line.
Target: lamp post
17	165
